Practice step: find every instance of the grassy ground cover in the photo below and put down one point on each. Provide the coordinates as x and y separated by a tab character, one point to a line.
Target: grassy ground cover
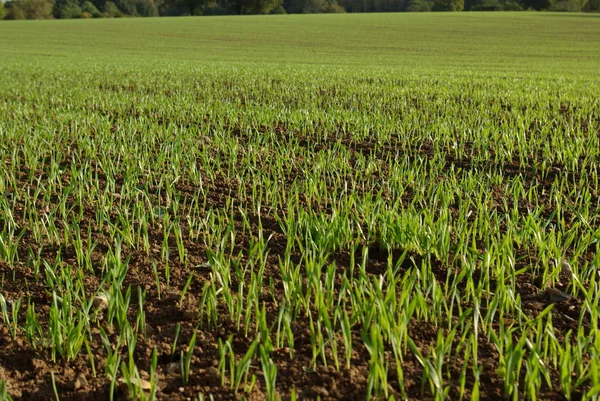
300	207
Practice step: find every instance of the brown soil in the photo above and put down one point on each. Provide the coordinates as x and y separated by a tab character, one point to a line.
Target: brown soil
27	370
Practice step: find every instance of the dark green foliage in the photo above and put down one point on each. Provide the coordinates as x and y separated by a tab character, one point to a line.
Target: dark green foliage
374	5
32	9
88	7
192	7
137	8
312	6
43	9
67	9
448	5
484	5
146	8
278	10
419	6
195	7
304	6
255	6
214	8
333	8
111	10
127	7
493	5
14	12
592	5
566	5
538	4
512	5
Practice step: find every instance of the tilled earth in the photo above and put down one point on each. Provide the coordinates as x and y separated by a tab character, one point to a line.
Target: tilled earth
28	370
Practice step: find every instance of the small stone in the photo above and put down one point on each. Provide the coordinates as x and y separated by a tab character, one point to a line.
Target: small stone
141	383
80	382
555	295
144	384
100	302
16	393
534	305
205	265
322	391
68	372
172	367
566	271
149	329
38	364
213	377
172	296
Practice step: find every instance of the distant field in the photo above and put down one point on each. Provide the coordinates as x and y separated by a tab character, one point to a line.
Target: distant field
481	42
334	207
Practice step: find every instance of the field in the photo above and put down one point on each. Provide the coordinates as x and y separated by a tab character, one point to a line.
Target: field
334	207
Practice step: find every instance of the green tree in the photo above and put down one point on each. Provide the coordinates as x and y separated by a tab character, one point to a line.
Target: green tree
191	7
88	7
332	7
137	8
64	9
127	7
566	5
538	4
111	10
255	6
312	6
418	6
484	5
13	11
146	8
592	5
2	10
448	5
37	9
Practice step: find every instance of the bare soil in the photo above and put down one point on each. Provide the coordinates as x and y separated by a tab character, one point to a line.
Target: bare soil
27	370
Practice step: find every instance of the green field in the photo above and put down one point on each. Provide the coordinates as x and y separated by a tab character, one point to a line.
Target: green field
334	207
508	43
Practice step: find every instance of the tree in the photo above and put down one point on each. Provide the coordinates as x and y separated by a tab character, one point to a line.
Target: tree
88	7
538	4
567	5
146	8
312	6
483	5
126	6
592	5
36	9
2	11
448	5
64	9
111	10
419	5
13	11
255	6
191	7
332	7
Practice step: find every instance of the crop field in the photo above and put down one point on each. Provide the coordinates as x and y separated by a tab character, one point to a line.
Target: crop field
333	207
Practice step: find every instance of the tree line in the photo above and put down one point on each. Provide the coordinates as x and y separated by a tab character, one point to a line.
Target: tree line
49	9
